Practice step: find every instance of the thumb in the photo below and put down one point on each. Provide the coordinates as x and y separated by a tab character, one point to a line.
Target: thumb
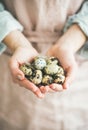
16	72
70	76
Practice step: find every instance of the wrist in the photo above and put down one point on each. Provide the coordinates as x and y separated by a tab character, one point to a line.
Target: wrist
15	40
72	40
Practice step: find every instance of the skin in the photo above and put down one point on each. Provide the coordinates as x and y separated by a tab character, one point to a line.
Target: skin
24	52
67	46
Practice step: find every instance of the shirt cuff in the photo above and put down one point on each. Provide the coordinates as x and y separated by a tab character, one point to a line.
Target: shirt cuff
2	48
7	24
81	18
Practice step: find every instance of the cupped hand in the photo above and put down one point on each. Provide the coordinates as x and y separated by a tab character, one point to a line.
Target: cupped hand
67	60
20	56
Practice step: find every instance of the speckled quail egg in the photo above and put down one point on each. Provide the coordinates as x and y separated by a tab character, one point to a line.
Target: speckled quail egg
52	60
60	70
47	79
58	78
51	69
26	69
39	63
36	77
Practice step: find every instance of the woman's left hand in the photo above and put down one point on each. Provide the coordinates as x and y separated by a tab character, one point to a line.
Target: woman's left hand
67	60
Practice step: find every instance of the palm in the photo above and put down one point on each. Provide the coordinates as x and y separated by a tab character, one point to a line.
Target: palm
67	61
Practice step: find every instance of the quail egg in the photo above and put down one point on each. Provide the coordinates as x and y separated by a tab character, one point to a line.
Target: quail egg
60	70
36	77
59	79
26	69
51	69
47	79
39	63
52	60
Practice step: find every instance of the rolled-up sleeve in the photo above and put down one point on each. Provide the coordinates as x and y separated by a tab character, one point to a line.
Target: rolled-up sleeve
7	24
81	18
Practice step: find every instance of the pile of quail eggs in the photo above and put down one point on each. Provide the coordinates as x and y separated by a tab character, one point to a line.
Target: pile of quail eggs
44	71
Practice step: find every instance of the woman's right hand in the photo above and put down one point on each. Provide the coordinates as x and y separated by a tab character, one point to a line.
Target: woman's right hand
22	52
20	56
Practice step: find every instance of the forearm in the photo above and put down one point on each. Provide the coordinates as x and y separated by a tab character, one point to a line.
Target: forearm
73	39
16	39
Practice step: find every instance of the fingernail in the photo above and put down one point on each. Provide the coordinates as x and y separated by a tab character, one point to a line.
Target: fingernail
41	95
19	77
66	86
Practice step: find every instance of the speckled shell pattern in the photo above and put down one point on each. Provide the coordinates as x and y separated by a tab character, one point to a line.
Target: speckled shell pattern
44	71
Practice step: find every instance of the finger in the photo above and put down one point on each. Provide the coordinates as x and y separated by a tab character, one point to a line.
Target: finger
56	87
51	90
70	76
16	72
44	89
30	86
